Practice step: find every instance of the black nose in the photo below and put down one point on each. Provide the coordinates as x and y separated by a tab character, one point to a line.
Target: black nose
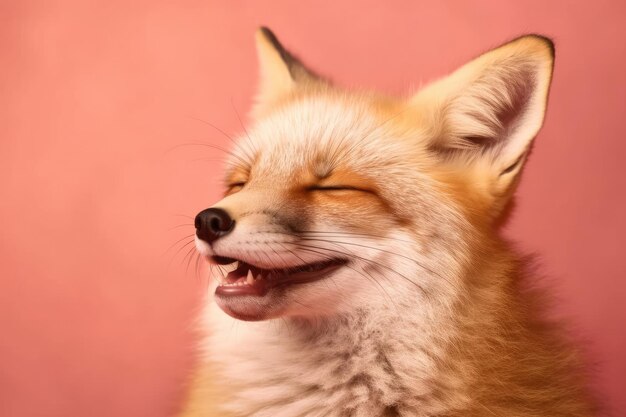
213	223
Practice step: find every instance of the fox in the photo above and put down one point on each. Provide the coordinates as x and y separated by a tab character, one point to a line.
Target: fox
356	262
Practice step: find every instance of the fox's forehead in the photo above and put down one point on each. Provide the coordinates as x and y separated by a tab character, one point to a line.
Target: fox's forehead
322	133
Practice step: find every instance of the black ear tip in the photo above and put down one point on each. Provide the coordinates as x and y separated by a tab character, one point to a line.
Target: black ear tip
271	38
265	30
268	34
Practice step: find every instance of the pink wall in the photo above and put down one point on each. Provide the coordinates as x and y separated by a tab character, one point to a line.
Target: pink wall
94	98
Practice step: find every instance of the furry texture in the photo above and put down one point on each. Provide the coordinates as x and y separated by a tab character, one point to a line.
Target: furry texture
430	317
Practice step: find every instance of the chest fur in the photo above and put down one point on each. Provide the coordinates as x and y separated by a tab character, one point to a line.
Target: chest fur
355	366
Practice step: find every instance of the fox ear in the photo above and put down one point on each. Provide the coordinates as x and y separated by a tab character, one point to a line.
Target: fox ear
279	71
487	113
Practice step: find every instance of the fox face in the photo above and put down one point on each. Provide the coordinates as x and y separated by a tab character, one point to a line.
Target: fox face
340	201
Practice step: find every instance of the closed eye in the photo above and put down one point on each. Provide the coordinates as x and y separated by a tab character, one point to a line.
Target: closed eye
333	188
235	186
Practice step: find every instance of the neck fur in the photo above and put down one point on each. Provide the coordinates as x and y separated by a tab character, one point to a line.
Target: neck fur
350	365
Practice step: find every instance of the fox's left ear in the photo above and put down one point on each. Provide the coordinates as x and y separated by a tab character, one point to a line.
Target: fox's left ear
280	73
486	114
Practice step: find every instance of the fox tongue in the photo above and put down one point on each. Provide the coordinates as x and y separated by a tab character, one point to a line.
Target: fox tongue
243	286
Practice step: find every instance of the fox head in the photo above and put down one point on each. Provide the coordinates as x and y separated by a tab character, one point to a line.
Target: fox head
339	201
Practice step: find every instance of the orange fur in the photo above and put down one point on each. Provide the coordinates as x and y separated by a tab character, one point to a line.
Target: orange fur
418	189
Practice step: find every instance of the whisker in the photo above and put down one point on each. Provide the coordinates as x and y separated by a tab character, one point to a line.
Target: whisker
370	277
339	234
420	264
294	253
291	251
273	265
183	247
183	215
237	145
303	305
175	243
384	251
219	148
222	271
210	274
180	225
190	255
249	140
197	265
370	262
214	127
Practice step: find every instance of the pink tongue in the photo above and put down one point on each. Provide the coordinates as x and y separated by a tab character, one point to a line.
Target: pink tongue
259	288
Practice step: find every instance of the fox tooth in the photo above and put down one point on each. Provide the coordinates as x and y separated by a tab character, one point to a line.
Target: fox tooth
250	277
259	276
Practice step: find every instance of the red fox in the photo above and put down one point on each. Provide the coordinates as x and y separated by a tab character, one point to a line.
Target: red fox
356	265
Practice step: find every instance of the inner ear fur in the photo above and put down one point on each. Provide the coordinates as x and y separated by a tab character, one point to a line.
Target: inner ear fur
484	116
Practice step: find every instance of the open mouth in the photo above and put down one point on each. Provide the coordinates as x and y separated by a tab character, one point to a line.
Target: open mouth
247	279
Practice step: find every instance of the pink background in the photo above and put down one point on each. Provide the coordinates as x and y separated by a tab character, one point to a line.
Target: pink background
95	97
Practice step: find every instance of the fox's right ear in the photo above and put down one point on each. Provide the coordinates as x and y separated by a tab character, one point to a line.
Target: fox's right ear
279	71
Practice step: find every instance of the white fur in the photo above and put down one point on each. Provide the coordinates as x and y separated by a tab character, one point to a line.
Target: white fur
372	339
366	338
